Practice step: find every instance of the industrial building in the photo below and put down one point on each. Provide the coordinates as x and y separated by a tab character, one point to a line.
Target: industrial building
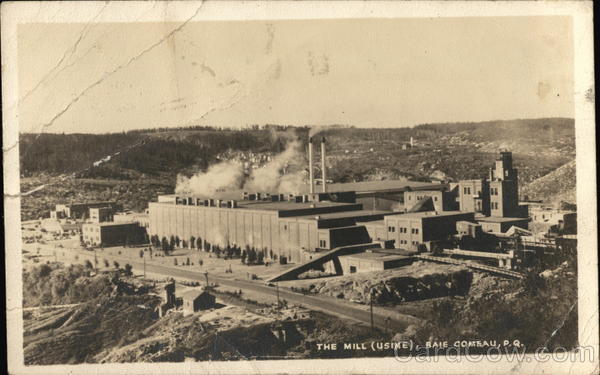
292	228
417	231
288	228
431	200
563	220
101	214
197	299
81	210
495	196
373	261
108	234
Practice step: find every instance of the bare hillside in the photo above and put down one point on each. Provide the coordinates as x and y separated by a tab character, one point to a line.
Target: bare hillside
557	186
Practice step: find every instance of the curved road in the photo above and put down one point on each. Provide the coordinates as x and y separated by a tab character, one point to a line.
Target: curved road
324	304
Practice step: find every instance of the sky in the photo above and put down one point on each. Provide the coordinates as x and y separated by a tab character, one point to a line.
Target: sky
113	77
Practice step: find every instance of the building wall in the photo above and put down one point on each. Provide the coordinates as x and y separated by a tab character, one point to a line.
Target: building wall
101	214
502	226
345	236
357	265
504	200
413	197
473	196
261	229
410	231
112	235
406	231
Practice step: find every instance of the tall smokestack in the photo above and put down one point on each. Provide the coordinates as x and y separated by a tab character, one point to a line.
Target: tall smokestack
323	173
310	166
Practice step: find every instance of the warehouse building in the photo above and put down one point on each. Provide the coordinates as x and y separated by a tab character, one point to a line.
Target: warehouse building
417	231
81	210
108	234
370	261
431	200
101	214
288	228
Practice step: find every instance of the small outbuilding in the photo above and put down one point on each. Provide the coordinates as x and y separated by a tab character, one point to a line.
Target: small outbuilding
196	300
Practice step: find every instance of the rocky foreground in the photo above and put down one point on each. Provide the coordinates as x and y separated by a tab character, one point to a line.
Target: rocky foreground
418	281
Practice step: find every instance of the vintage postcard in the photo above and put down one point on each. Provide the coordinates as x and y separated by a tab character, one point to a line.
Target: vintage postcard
299	187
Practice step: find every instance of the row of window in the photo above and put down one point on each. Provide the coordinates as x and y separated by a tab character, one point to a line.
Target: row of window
405	242
494	205
322	243
403	230
494	191
421	197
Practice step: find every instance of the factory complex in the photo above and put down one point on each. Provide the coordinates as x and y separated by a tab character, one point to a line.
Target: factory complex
297	228
360	226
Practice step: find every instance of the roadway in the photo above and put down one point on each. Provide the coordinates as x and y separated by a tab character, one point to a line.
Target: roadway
325	304
318	303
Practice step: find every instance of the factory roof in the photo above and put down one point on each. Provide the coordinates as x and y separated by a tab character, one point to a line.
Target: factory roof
377	186
376	256
373	222
287	205
363	186
498	219
193	293
112	223
418	215
344	214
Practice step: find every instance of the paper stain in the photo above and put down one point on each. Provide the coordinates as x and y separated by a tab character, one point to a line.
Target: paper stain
318	64
543	89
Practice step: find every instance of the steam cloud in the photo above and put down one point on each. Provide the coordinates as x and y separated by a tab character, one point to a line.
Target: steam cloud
219	177
284	173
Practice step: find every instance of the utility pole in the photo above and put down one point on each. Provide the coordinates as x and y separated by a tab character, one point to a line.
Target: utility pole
206	275
277	287
371	303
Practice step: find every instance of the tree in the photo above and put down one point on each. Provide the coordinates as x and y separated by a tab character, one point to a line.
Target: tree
128	269
260	258
192	242
243	256
199	243
187	262
252	256
106	264
165	245
184	244
88	264
141	253
116	264
177	241
175	261
172	242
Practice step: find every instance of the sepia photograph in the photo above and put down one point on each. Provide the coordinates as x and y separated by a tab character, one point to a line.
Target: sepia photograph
293	187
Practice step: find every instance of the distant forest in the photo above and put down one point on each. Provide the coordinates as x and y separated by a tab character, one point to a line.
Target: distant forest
171	150
147	152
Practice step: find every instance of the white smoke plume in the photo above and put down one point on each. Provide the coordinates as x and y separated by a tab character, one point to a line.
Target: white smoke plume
283	174
219	177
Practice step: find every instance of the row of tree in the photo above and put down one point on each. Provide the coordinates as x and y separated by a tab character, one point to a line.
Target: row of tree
248	255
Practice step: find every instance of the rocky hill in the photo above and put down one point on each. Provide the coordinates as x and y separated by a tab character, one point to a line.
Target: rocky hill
555	187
